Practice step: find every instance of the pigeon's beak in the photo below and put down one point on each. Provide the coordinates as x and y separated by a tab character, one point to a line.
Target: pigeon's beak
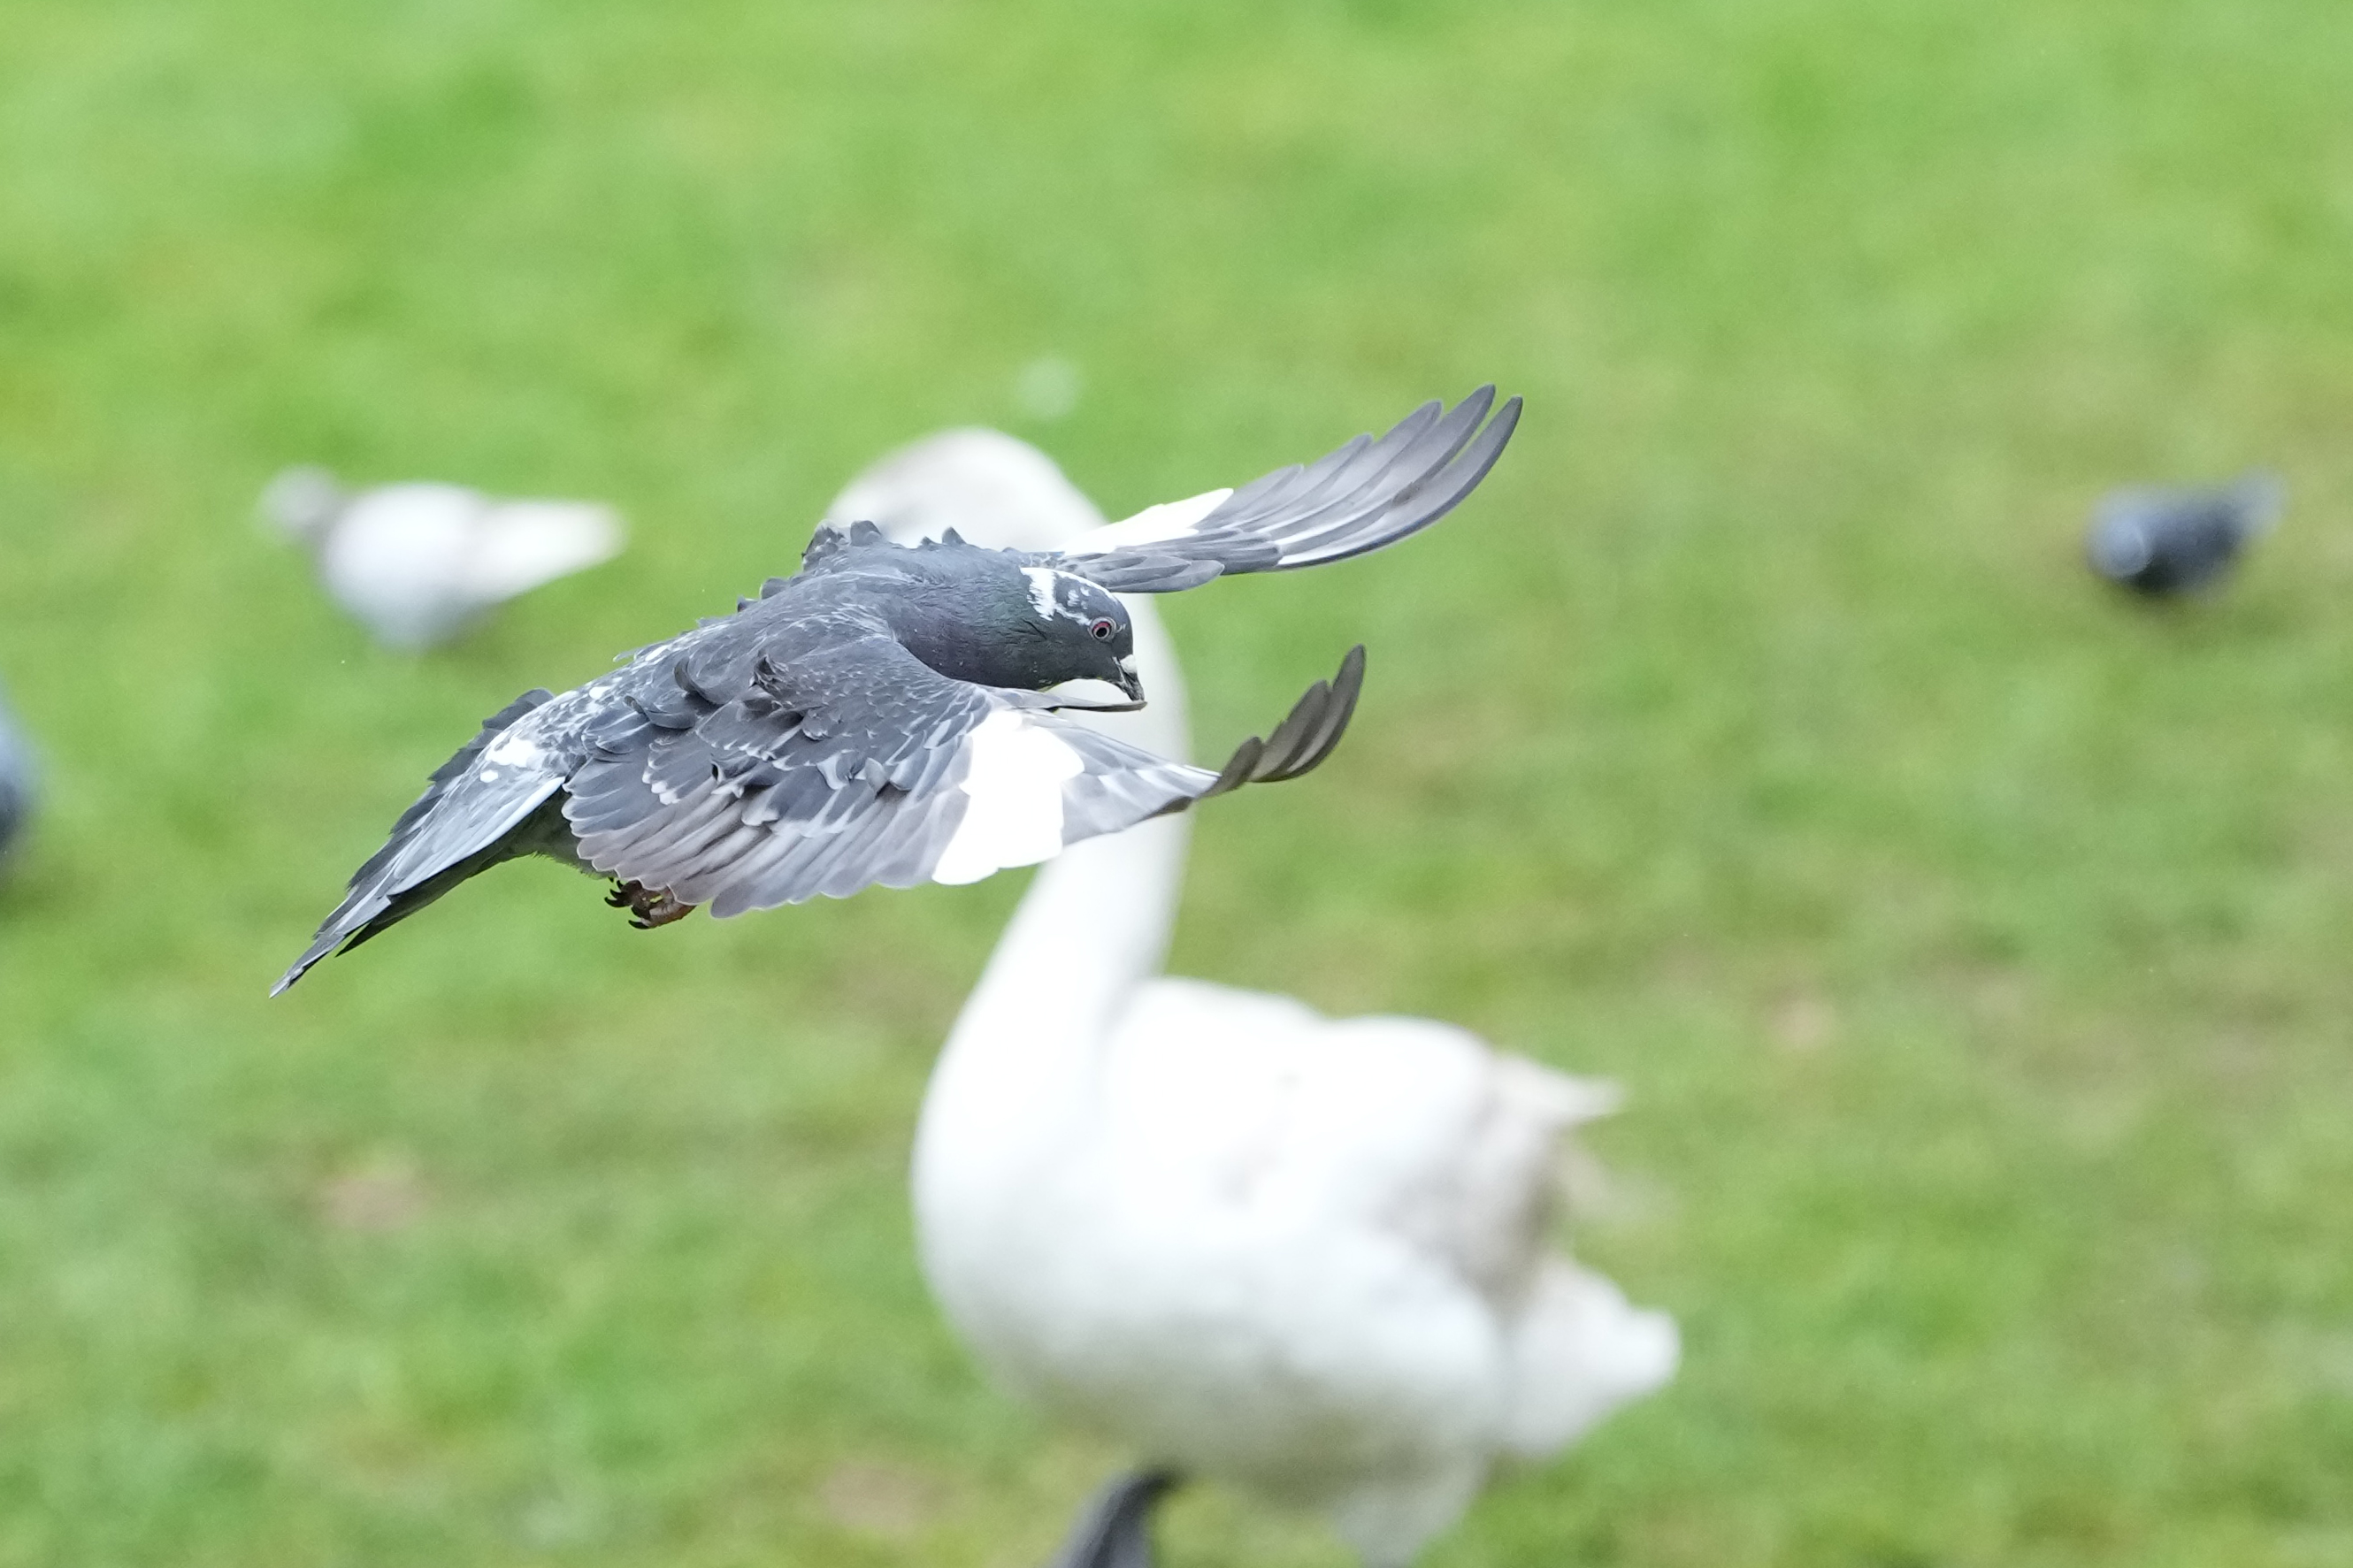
1129	681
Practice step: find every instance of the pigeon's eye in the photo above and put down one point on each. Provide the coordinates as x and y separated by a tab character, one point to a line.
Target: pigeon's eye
1103	628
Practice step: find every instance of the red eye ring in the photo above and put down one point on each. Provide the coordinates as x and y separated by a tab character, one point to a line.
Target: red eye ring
1103	628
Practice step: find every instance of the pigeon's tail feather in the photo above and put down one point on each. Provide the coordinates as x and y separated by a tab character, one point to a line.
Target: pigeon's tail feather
303	502
379	912
479	808
523	544
1114	1529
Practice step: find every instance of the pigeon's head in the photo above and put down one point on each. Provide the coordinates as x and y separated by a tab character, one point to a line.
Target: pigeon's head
1072	629
1030	628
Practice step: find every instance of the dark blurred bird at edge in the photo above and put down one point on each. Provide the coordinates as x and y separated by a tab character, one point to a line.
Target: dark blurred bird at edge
2160	542
16	785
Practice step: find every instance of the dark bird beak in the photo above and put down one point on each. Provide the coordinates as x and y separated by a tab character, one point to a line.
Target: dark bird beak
1129	681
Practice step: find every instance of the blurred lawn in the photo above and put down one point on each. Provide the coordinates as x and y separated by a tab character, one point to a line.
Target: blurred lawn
1975	946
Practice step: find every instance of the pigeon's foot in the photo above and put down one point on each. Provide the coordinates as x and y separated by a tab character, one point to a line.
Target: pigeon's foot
648	908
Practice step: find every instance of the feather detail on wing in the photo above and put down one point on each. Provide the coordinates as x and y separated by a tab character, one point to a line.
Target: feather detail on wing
1369	493
861	766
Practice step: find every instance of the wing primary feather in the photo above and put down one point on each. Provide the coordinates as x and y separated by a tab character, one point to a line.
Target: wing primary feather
1400	470
1237	771
1367	461
1307	735
1338	707
1367	493
1346	688
1287	739
1463	476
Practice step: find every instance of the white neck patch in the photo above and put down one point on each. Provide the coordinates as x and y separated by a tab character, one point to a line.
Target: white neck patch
1041	591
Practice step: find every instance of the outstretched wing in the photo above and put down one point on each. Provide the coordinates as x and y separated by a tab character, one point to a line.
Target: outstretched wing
859	765
1369	493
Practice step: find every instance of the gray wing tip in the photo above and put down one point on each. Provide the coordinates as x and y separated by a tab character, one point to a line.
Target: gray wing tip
1309	733
339	934
315	952
1480	433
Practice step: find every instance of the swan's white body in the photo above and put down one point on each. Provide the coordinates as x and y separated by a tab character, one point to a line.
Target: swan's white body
1302	1255
417	563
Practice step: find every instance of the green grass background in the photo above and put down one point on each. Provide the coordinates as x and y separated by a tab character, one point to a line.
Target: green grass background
1974	945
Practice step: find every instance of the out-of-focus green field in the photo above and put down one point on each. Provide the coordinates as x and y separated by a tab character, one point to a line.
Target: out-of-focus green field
1975	946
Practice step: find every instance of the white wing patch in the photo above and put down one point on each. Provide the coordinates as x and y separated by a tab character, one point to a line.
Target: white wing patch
1015	814
1169	520
511	749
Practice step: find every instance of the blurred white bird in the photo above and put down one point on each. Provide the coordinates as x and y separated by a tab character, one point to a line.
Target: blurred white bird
417	563
16	784
1305	1256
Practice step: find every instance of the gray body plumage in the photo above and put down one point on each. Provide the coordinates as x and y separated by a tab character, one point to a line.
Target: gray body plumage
2162	541
882	717
17	779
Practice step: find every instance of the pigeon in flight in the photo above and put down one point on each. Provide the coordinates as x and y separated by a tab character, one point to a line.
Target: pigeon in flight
418	563
889	715
2162	542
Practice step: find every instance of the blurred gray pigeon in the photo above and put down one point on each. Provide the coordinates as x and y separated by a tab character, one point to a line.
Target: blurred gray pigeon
2162	541
889	717
417	563
16	784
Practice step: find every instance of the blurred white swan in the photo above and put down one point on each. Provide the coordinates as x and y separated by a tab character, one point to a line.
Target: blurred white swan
417	563
1305	1256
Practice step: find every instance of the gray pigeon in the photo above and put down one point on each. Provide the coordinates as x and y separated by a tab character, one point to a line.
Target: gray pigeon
16	781
1114	1528
889	715
2162	542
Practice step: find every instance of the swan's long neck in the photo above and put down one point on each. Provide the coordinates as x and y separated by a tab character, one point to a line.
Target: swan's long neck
1093	925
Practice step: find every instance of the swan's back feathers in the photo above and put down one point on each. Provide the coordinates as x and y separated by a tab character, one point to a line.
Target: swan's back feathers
1406	1126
